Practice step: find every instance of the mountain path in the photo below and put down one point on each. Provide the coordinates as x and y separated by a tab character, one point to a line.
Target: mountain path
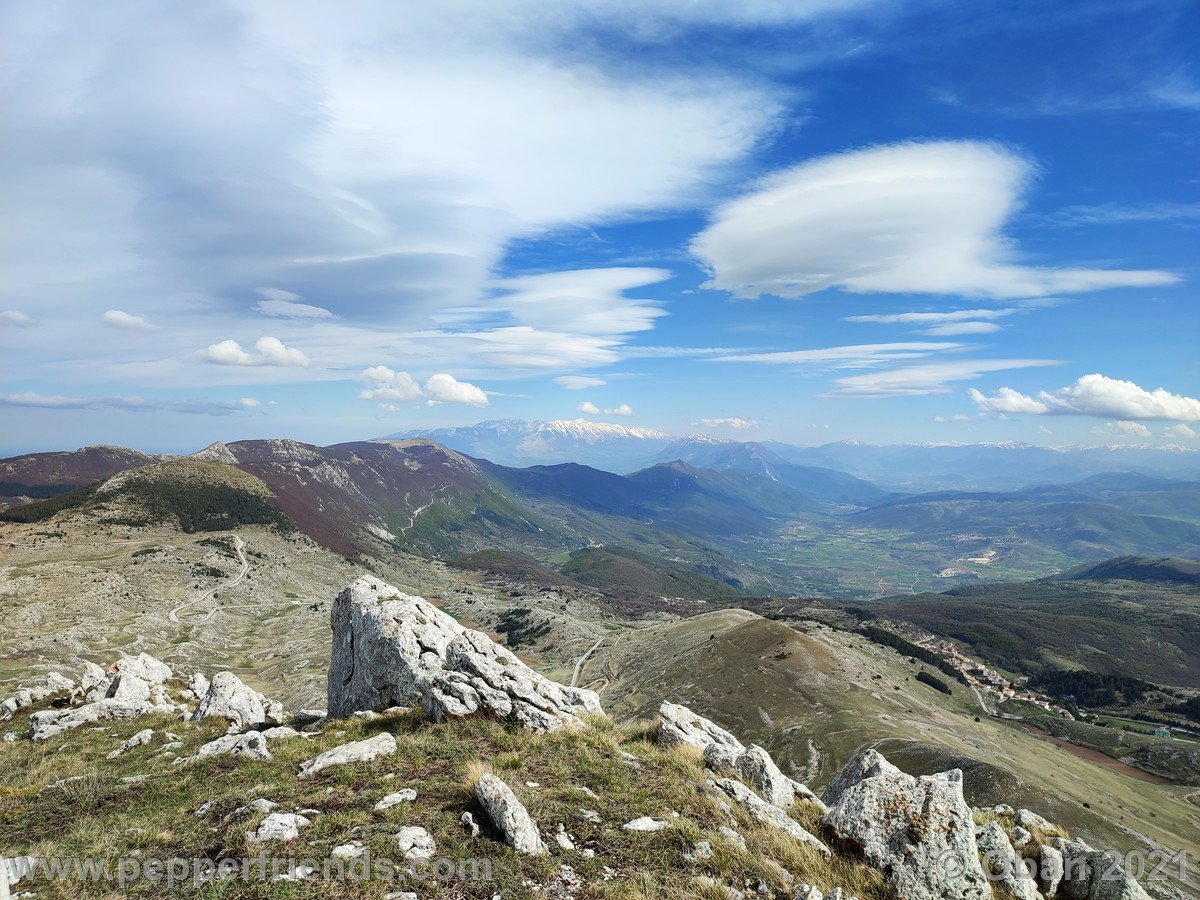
579	662
239	547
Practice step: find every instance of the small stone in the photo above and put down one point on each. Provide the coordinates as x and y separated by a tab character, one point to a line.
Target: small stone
405	796
646	823
467	821
351	850
509	815
415	843
141	738
278	827
702	851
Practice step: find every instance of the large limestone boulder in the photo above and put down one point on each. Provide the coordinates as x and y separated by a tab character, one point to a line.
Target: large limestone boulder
918	832
131	679
509	815
383	744
394	649
228	697
679	725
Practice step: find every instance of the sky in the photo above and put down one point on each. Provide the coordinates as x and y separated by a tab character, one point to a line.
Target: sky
801	221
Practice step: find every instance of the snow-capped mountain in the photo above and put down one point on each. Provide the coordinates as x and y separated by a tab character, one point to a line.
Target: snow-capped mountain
515	442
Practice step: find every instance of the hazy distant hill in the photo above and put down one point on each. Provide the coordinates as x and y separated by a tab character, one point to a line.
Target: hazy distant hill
822	484
1007	465
37	476
515	442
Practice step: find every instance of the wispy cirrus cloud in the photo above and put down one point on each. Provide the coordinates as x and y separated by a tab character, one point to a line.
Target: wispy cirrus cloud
129	321
33	400
927	378
849	355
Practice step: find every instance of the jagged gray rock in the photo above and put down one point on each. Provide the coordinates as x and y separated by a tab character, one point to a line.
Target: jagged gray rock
394	649
383	744
509	815
758	770
910	829
679	725
1090	874
863	764
142	737
230	698
130	678
1049	869
1006	865
769	813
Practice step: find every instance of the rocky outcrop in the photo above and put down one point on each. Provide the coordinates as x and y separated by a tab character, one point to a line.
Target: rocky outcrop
130	678
758	769
769	813
679	725
49	722
509	816
383	744
394	649
1090	874
866	763
54	683
228	697
918	832
1004	863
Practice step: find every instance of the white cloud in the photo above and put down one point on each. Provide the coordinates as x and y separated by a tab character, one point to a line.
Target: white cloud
443	388
848	355
583	301
1133	429
120	319
901	218
955	328
286	305
1179	432
728	423
271	352
579	382
926	378
33	400
589	408
623	409
16	318
1095	395
388	387
935	318
957	417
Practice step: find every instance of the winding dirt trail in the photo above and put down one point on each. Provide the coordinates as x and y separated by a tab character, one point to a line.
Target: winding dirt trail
579	662
239	547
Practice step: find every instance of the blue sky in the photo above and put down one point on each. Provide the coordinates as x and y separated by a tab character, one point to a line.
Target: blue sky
801	221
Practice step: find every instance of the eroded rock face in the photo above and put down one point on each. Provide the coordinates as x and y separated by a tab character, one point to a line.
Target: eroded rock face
228	697
918	832
1090	874
679	725
760	772
509	815
393	649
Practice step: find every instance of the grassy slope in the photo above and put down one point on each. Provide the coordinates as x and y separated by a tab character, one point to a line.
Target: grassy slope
813	699
101	816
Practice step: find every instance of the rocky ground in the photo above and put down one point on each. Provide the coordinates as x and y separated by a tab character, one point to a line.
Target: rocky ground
448	768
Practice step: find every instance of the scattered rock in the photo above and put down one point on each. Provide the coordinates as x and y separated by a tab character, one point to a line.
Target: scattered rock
278	827
732	836
394	649
1031	820
351	850
769	813
383	744
141	738
251	744
701	851
509	815
405	796
646	823
908	828
467	821
47	723
563	839
416	843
